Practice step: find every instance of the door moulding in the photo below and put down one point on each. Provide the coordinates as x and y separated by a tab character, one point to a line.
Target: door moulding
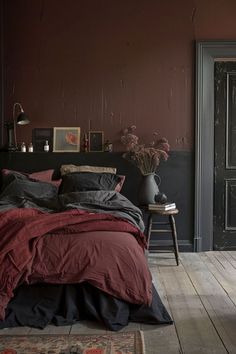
207	52
1	73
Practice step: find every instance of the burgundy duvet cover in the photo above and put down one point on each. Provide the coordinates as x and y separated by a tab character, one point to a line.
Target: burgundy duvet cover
64	248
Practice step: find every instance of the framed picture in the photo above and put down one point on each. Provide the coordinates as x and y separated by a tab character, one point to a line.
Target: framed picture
96	141
39	137
66	139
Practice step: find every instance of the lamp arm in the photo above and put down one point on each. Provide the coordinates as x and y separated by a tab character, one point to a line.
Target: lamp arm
14	109
14	123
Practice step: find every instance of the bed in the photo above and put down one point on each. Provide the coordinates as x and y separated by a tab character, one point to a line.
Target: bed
73	248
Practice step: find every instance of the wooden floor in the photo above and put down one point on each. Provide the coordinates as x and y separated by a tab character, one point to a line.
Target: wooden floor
200	295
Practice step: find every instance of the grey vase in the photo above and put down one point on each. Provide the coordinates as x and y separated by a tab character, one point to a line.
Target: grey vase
148	190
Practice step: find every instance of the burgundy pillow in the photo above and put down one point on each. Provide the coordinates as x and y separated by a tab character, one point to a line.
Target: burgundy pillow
6	172
45	176
120	183
42	176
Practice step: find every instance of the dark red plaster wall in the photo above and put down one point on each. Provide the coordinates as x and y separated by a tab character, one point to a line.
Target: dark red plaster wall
107	64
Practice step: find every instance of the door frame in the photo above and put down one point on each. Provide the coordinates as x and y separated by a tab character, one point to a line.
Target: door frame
207	52
1	73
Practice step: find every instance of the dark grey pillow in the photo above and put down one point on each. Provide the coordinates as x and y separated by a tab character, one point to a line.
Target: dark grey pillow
16	184
7	179
88	181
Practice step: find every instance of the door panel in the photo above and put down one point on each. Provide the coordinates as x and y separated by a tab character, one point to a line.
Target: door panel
225	156
230	204
231	119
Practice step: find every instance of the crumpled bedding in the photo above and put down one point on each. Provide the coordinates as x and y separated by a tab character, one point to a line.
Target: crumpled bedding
110	202
54	240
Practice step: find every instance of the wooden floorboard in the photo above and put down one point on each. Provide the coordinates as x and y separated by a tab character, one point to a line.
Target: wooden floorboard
226	278
200	295
50	329
163	339
230	258
194	327
220	308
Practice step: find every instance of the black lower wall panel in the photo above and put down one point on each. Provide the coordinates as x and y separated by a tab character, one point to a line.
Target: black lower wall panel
176	174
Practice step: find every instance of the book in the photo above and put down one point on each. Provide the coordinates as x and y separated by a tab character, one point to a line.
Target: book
165	206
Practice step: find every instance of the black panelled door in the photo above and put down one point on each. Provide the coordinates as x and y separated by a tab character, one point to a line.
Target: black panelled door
225	156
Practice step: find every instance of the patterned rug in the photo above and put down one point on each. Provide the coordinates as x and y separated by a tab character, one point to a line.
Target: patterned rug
117	343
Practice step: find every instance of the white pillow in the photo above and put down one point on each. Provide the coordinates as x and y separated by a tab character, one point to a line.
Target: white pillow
84	168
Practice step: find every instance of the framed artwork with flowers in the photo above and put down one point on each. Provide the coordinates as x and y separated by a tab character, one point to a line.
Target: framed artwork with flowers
66	139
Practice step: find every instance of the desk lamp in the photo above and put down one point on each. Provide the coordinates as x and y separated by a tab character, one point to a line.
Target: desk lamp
19	117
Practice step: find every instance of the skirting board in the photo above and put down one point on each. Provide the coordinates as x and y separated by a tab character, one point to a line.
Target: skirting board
184	245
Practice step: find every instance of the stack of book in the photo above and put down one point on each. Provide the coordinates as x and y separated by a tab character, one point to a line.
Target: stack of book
162	207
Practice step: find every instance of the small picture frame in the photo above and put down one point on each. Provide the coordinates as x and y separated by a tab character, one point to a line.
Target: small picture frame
39	137
96	141
66	139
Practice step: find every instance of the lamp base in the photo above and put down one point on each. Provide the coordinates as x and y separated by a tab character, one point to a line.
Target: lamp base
8	148
11	148
11	144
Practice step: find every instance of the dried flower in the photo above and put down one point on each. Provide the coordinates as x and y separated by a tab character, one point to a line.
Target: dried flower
146	158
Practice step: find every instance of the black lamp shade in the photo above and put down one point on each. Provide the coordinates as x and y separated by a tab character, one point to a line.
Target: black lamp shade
22	119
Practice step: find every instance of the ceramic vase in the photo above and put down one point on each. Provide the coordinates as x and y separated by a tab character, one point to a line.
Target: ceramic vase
148	189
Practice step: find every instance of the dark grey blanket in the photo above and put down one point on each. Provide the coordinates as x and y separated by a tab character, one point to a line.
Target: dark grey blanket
110	202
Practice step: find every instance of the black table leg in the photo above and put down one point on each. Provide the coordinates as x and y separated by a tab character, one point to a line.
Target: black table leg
149	229
174	236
